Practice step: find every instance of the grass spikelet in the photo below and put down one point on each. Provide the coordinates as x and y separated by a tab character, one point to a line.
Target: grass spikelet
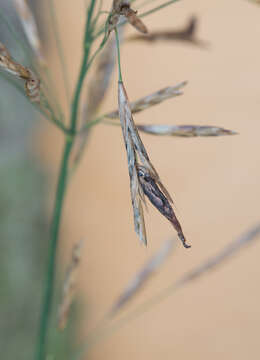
185	130
30	28
152	99
143	179
152	188
122	8
69	286
187	34
32	83
141	278
135	188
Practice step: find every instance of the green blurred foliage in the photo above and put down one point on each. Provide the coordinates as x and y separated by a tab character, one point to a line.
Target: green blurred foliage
24	235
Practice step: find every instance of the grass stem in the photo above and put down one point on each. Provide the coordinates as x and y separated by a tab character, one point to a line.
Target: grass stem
41	346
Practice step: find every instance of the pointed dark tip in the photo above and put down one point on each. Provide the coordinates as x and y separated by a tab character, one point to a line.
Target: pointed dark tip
183	240
186	245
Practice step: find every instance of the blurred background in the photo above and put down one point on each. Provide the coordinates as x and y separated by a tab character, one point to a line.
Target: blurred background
214	183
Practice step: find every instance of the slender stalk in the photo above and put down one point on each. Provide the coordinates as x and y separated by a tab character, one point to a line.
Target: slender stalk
49	287
118	56
60	195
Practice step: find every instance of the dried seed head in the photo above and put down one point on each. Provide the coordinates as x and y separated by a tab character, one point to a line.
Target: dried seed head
69	286
134	20
122	7
135	188
152	99
159	200
33	88
9	65
32	83
184	130
30	29
144	180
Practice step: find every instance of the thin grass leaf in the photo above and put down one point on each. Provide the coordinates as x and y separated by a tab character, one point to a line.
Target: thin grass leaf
30	28
184	130
69	286
141	278
151	99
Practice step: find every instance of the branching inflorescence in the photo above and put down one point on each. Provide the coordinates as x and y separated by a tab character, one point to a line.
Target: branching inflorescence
145	182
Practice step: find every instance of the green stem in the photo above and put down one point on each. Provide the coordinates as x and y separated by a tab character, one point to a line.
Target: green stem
118	56
60	195
49	287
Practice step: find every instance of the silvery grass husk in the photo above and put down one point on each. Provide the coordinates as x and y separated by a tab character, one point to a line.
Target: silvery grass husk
9	65
151	99
136	191
30	28
187	34
184	130
141	278
121	8
144	179
69	286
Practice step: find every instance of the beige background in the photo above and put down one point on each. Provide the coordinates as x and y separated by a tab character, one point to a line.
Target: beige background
214	182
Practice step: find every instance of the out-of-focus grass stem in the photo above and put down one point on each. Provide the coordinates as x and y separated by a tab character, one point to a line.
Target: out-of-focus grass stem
54	23
41	346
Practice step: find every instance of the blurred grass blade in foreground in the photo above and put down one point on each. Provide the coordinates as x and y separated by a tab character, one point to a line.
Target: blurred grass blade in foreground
141	278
